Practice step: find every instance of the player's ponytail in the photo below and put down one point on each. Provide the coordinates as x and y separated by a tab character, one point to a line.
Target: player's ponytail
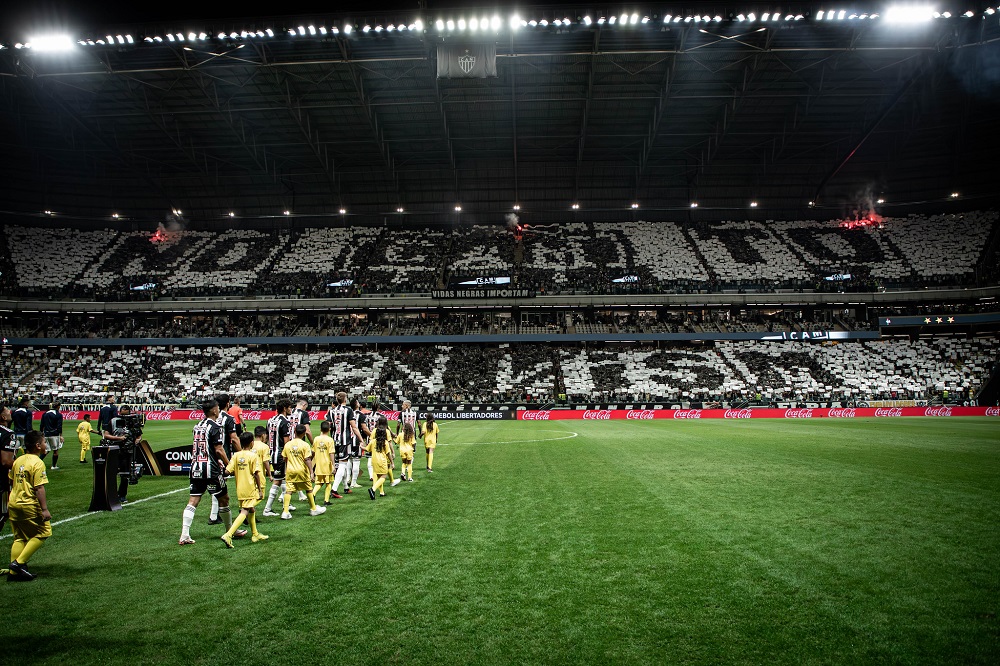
381	437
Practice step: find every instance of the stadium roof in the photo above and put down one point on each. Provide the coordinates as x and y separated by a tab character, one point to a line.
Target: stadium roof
667	106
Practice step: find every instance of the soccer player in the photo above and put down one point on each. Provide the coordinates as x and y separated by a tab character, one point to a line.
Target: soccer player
407	415
381	448
279	433
8	449
208	462
299	472
83	434
300	416
22	420
231	444
52	430
431	431
262	450
406	441
29	510
245	466
344	428
323	461
366	433
108	412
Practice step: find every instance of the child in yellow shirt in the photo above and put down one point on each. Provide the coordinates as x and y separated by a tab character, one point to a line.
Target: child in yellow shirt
406	440
83	434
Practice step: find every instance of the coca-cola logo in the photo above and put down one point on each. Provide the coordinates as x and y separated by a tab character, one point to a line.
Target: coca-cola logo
597	414
390	415
196	415
157	416
314	415
687	414
993	411
539	415
842	413
255	415
893	411
798	413
738	413
71	416
938	411
640	414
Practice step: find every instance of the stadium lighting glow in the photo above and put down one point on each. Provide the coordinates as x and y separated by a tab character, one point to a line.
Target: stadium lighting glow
990	11
458	209
587	20
49	212
270	33
909	14
439	24
751	16
128	39
954	195
765	16
516	207
343	211
623	19
969	14
633	19
450	24
612	20
348	28
473	24
841	15
634	205
114	215
378	28
495	23
111	40
515	22
812	203
831	15
51	43
419	25
880	201
322	29
232	214
302	30
694	204
753	204
543	23
741	18
645	19
666	19
180	37
311	29
366	29
399	209
461	24
286	212
601	20
391	27
575	206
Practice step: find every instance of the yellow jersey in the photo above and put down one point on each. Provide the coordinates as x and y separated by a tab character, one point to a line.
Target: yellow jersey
380	459
244	465
431	435
83	432
263	452
322	447
295	454
27	474
405	446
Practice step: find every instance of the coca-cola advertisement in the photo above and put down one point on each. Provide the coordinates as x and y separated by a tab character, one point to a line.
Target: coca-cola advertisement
751	413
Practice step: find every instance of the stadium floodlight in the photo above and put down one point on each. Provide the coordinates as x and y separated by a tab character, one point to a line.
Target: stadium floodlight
348	29
461	24
694	204
812	203
458	208
880	201
841	15
419	25
114	216
776	17
909	14
515	22
633	19
270	33
990	11
831	15
666	19
969	14
391	27
516	207
751	17
473	24
495	23
753	204
741	18
121	40
819	15
286	212
765	16
311	29
291	31
232	214
322	29
946	14
439	24
192	36
612	20
378	28
532	23
645	19
343	211
399	209
51	43
587	20
450	24
575	206
717	18
366	29
954	195
635	205
601	20
623	19
128	39
544	23
302	30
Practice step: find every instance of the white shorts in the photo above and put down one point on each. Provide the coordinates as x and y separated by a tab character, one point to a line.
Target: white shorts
53	443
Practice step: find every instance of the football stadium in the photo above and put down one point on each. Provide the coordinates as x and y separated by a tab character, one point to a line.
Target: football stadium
633	333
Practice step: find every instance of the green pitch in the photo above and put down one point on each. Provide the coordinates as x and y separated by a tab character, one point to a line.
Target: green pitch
841	541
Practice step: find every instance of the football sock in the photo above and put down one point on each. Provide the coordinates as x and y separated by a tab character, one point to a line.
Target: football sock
214	514
227	516
186	522
377	485
287	501
271	496
326	496
430	458
83	455
15	549
371	473
253	523
312	501
236	524
355	470
391	477
29	549
55	459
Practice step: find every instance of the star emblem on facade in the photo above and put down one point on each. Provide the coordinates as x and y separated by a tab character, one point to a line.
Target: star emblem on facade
951	320
927	320
939	320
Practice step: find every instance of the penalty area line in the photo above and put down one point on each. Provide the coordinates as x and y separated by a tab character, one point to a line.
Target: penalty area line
98	513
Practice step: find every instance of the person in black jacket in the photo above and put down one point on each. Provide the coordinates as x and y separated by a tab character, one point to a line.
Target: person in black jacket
21	418
108	412
52	430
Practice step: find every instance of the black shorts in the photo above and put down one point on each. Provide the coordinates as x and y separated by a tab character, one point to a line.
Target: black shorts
278	469
215	486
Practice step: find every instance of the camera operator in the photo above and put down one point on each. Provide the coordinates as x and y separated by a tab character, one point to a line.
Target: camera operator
116	434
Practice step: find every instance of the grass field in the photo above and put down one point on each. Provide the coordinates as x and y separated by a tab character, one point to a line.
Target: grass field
834	541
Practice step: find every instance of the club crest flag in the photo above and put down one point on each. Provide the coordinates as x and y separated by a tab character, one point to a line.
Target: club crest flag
467	61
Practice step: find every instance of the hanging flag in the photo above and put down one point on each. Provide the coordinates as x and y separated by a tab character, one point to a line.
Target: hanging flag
467	61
